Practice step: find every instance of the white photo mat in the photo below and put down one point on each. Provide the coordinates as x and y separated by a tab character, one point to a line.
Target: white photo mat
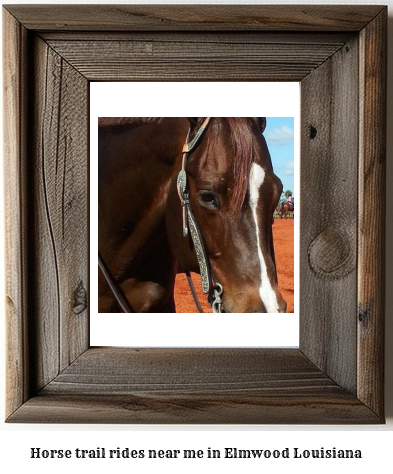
181	99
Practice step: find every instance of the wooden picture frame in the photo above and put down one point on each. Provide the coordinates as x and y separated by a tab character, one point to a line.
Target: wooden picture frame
338	54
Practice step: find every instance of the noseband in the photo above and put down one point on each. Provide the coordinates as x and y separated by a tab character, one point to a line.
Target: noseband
210	285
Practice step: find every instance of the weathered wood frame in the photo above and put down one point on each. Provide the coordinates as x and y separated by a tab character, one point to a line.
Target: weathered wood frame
338	54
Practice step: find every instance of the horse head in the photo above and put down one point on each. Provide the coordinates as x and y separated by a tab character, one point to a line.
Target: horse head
233	192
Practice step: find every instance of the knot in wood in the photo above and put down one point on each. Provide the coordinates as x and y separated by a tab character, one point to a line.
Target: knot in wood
79	299
330	254
363	316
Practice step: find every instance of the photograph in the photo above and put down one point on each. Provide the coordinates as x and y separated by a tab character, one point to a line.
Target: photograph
196	214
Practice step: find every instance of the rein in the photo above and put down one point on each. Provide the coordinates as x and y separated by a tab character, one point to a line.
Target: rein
115	287
210	285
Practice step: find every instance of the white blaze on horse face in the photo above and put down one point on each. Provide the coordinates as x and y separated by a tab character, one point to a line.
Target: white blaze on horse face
266	292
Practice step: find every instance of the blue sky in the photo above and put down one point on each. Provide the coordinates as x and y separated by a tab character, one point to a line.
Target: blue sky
279	135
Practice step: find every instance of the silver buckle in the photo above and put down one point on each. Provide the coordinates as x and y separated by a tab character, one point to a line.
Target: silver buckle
217	302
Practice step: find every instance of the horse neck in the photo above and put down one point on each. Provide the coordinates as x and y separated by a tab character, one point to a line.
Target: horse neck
137	167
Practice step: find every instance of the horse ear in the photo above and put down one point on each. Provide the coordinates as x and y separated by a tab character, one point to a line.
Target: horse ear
262	123
193	121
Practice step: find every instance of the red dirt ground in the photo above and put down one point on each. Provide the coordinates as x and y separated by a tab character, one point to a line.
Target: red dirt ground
283	231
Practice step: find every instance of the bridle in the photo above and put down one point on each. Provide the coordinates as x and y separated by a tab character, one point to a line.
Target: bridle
210	285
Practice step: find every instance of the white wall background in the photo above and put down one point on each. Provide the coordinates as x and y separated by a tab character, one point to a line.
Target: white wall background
16	440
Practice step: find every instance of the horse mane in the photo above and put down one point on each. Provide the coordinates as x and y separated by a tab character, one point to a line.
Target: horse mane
243	147
242	143
244	157
121	121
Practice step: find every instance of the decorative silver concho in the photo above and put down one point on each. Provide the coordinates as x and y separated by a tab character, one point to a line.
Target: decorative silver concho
182	183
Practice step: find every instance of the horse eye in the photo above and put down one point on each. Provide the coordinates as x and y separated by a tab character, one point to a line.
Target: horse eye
209	199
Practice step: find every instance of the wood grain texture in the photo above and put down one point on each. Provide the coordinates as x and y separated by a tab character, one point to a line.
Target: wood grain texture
60	234
251	371
15	126
52	375
187	59
201	386
195	17
371	230
201	37
329	216
192	409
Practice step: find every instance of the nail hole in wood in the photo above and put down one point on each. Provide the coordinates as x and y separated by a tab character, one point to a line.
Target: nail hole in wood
313	132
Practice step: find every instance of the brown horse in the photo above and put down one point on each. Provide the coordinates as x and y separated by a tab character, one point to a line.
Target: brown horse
286	210
230	192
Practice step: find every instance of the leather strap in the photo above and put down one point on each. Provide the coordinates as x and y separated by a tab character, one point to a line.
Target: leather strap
115	287
210	285
193	292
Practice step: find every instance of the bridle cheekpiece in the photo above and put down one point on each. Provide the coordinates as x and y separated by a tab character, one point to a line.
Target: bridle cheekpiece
210	285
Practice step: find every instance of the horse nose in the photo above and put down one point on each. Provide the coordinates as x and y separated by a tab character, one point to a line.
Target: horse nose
281	303
245	302
275	303
252	301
